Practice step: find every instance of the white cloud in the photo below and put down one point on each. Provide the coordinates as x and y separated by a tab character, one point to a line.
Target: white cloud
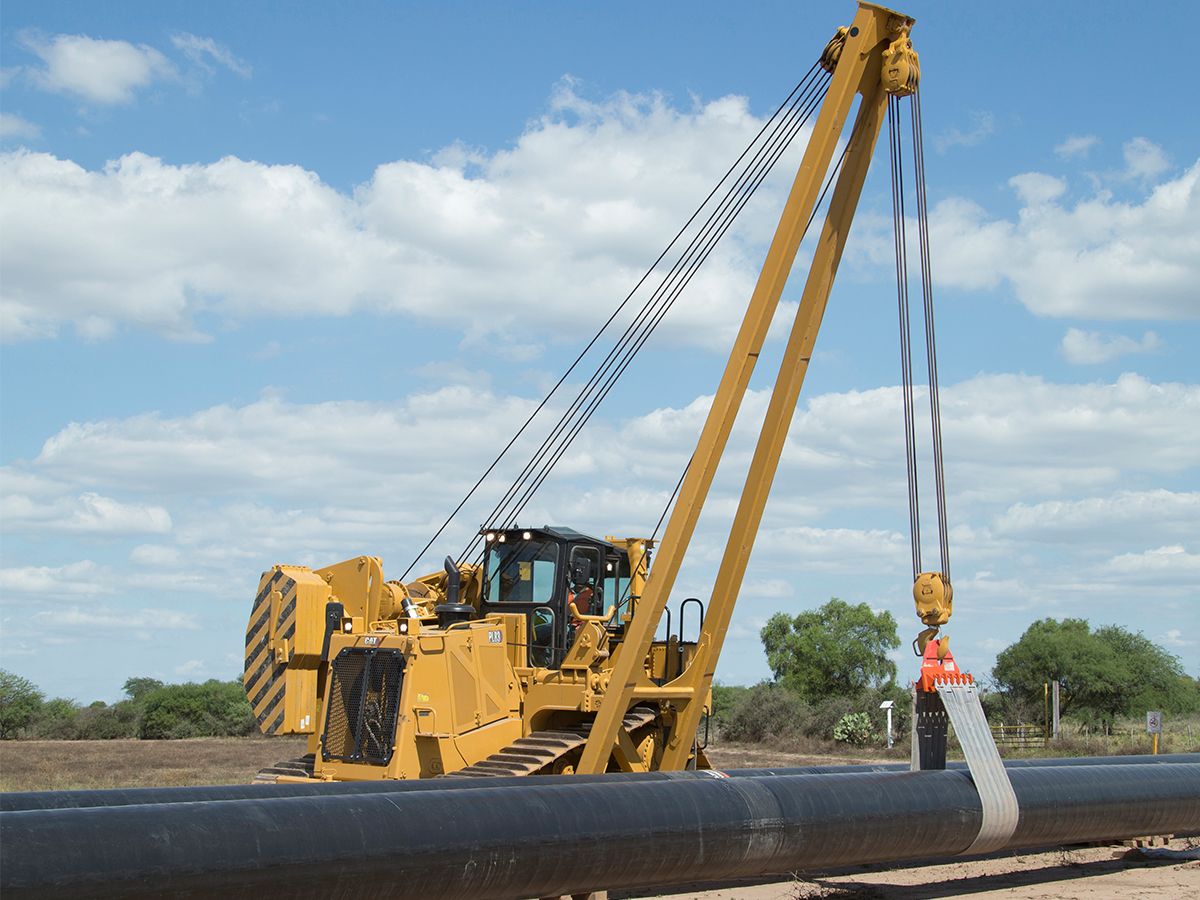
1036	189
983	126
1076	146
191	668
272	481
86	513
100	71
552	230
204	52
1088	347
13	126
1173	637
309	482
1144	159
107	618
79	578
1170	562
1154	512
1098	257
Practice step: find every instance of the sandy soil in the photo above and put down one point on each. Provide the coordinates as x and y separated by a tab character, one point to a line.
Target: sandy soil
1092	873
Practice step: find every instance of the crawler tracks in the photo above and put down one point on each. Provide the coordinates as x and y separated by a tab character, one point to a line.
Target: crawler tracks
547	752
550	752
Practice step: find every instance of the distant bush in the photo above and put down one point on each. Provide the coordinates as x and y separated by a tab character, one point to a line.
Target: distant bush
854	728
725	700
152	710
763	712
212	709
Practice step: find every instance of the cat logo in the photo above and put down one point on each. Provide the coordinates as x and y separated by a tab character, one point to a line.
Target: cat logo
496	636
371	640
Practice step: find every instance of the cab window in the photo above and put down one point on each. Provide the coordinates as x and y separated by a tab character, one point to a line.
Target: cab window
520	571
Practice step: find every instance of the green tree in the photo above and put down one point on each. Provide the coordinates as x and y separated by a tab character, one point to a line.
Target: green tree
838	650
56	720
20	702
137	688
1104	673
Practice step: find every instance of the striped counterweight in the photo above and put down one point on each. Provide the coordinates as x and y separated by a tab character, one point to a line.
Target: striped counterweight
280	665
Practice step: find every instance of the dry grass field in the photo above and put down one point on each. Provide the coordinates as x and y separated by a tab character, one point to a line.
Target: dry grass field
68	765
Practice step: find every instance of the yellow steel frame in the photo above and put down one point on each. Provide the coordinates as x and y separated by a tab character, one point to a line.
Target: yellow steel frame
874	31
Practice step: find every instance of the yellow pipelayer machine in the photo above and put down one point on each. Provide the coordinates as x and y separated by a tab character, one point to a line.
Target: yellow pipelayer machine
543	658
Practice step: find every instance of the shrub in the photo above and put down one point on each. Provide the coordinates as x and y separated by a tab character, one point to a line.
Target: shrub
765	711
56	720
214	708
100	722
854	728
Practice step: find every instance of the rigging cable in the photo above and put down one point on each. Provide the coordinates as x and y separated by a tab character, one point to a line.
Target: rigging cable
935	405
622	360
545	400
906	379
906	374
639	330
837	168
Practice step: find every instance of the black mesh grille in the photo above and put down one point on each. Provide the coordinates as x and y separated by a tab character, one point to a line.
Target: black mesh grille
364	698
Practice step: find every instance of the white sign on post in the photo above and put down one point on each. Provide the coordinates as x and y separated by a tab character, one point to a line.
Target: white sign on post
1154	722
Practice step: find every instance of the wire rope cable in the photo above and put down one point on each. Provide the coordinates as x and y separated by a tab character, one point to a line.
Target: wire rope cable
799	88
656	308
906	377
935	405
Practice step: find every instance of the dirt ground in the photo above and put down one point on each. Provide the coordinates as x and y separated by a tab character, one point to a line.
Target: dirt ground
1091	873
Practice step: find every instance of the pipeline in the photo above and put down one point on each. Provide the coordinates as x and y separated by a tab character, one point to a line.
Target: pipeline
537	840
15	802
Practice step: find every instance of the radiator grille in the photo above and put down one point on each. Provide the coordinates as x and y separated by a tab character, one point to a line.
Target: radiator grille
364	699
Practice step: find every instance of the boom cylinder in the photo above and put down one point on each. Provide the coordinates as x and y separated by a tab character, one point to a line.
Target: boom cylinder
569	837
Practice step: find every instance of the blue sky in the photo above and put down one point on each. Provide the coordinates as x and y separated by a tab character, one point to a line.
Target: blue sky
275	280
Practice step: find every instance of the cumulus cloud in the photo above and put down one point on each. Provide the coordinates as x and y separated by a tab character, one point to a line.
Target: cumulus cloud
1144	159
99	71
88	513
1038	476
1088	347
236	484
1154	512
1097	257
1161	563
13	126
551	230
107	618
1076	146
77	578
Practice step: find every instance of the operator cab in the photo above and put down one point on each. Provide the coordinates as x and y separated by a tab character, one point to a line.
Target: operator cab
540	571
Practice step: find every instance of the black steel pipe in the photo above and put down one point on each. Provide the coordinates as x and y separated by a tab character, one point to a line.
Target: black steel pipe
538	840
14	802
